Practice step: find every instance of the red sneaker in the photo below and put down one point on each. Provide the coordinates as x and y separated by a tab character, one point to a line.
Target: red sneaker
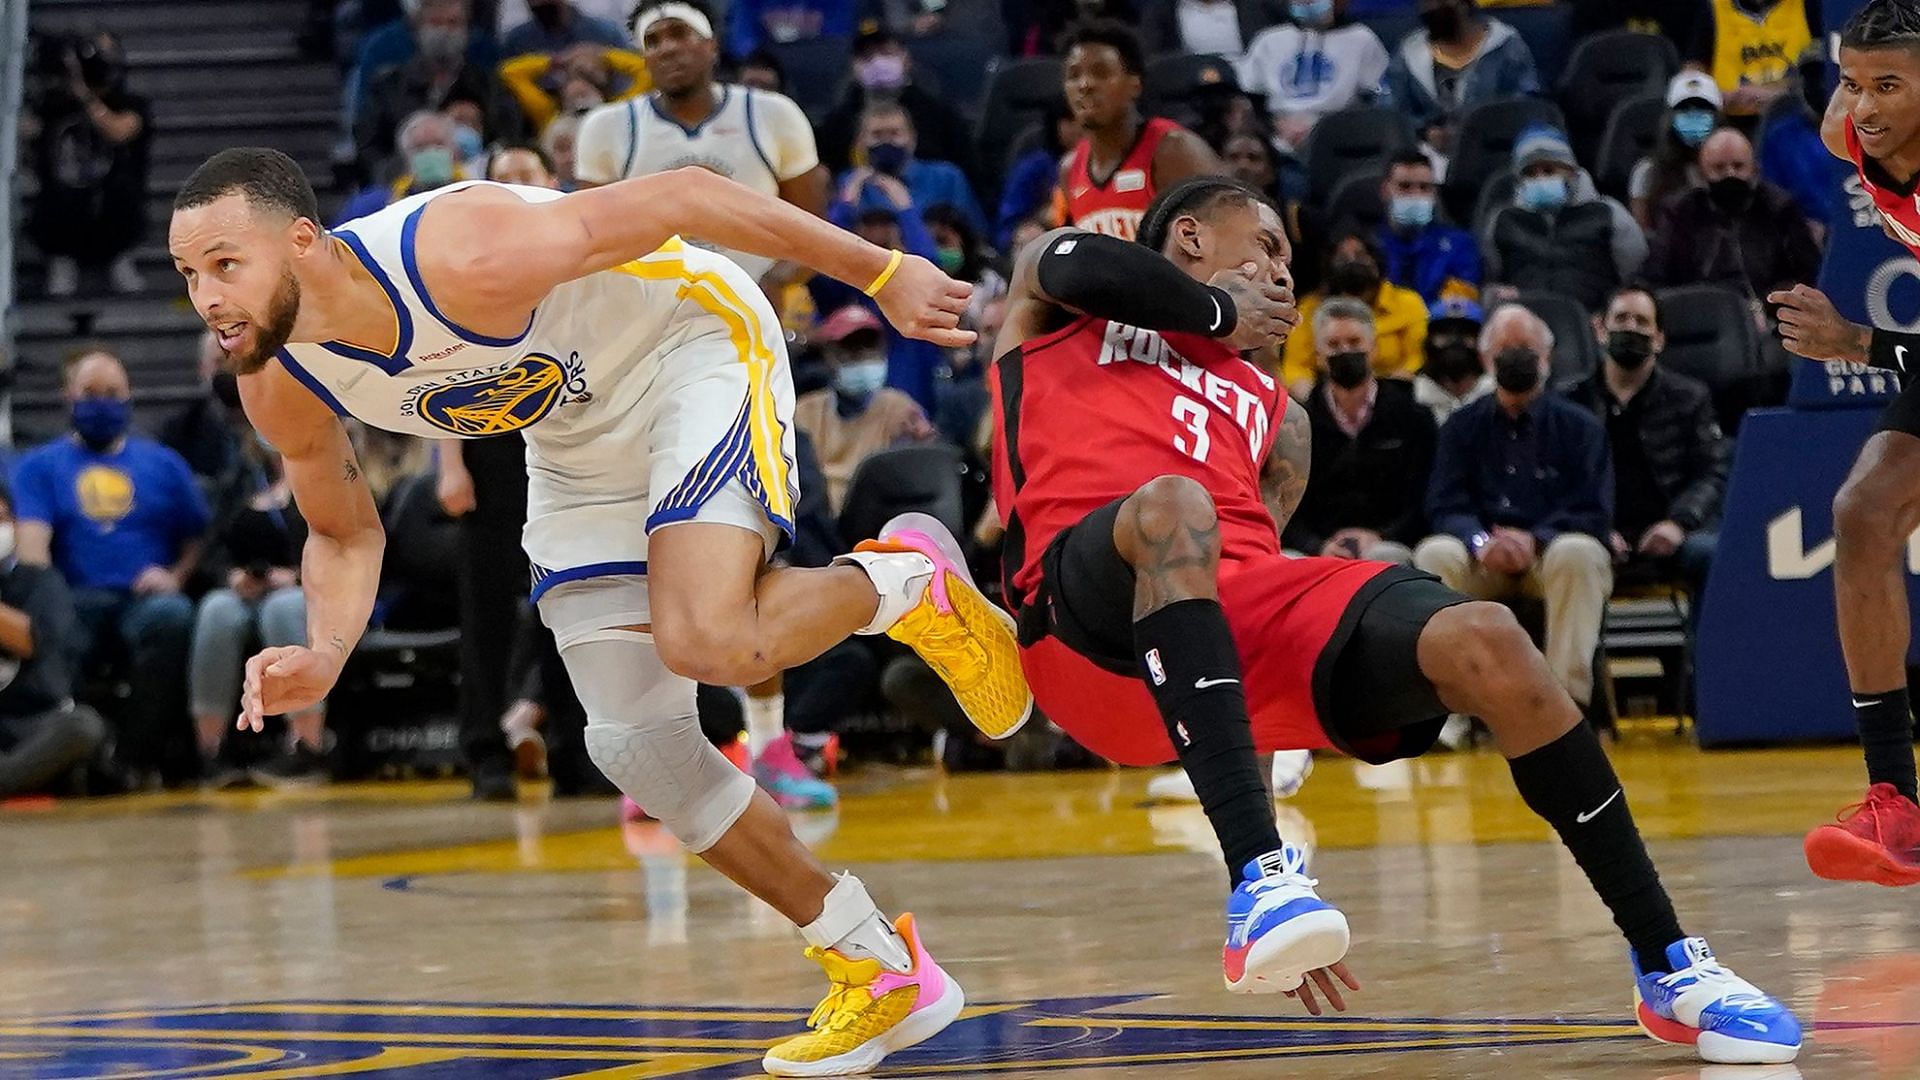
1875	840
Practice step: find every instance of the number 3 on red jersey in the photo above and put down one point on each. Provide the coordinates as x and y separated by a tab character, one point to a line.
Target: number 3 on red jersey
1193	416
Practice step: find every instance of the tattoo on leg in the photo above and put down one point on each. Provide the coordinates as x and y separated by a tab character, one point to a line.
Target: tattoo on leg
352	472
1178	554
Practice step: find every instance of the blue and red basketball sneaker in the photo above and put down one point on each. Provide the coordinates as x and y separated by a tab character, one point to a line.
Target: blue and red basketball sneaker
1278	928
1702	1004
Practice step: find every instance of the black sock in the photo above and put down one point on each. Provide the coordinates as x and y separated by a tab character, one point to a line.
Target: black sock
1571	784
1189	662
1886	734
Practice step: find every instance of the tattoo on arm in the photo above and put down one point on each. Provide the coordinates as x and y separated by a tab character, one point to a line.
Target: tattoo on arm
338	643
352	471
1284	480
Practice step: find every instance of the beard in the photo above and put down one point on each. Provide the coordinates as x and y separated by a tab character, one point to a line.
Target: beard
272	333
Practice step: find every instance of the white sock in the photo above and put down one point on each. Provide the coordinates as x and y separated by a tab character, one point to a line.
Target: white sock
766	719
900	577
851	925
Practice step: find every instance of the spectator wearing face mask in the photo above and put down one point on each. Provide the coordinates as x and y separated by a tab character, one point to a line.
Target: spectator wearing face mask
1372	450
1430	257
1452	376
1456	60
882	68
430	156
1693	111
1319	63
555	26
913	365
1399	317
888	143
859	415
1560	235
89	144
121	518
445	65
576	80
440	29
1521	499
1738	230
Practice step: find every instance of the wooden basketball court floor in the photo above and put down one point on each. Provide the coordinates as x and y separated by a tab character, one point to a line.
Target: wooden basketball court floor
400	931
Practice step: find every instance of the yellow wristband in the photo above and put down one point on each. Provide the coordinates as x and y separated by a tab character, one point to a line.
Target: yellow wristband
885	275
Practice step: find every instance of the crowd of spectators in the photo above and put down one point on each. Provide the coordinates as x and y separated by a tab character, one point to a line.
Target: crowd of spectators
1450	429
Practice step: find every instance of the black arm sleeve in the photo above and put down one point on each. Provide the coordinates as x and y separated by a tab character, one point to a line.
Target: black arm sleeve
1893	350
1115	279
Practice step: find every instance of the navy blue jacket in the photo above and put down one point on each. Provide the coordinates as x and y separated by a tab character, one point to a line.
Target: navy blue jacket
1547	471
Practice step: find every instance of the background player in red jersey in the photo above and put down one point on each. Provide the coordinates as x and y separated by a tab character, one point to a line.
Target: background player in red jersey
1874	122
1110	176
1145	468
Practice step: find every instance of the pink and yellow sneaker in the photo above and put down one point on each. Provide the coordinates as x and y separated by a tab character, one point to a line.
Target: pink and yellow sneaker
869	1012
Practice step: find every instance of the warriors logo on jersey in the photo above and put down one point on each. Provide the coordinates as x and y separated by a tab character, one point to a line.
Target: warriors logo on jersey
497	401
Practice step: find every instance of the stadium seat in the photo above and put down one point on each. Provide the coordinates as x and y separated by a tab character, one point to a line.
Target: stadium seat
1494	194
922	478
1575	352
1355	203
1483	146
955	66
1606	69
1711	336
1548	31
1018	92
816	70
1631	133
1351	140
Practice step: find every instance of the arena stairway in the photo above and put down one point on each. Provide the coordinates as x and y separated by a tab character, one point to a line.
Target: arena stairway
219	73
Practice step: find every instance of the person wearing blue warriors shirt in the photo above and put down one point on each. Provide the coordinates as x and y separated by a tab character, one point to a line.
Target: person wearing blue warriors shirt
1429	256
121	518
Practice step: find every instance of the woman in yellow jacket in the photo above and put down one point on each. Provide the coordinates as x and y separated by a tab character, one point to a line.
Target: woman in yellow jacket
1399	318
580	78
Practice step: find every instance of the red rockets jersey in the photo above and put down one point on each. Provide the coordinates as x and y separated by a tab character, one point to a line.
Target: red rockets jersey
1115	207
1898	207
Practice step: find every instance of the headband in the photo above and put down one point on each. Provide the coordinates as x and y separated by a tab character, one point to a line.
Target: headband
686	13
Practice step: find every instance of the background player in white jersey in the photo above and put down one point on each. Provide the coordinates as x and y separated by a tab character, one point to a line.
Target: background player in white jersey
658	460
755	137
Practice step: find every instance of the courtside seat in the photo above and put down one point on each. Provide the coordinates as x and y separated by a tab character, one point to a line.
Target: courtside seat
1355	203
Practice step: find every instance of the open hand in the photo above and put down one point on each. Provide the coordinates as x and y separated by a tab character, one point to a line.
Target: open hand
1811	327
1324	977
921	301
1265	312
285	679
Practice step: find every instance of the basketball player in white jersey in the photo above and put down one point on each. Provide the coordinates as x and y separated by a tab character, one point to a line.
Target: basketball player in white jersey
755	137
650	379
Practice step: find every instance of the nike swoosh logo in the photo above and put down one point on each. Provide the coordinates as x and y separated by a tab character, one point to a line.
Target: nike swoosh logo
1754	1024
1218	315
1858	704
1204	684
1899	355
1595	812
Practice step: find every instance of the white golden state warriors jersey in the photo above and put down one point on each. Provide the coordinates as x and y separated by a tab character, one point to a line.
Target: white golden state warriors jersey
643	390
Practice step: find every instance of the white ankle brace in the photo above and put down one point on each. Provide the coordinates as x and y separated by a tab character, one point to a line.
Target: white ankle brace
900	577
851	923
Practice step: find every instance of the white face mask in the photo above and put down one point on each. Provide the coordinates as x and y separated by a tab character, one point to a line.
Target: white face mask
6	541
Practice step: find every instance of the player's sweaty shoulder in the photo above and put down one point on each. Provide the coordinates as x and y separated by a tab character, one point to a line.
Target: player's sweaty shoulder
475	246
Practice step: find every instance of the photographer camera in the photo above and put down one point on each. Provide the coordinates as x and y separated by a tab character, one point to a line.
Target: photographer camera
89	144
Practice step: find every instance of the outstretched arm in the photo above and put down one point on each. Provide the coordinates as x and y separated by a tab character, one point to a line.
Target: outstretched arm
340	570
493	256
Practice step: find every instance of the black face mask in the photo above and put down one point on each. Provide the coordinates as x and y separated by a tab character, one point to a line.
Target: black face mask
1349	369
1629	348
1452	361
226	389
1444	23
1352	277
1731	193
1517	370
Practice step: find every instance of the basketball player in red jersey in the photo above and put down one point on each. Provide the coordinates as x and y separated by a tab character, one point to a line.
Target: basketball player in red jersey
1873	121
1125	160
1145	469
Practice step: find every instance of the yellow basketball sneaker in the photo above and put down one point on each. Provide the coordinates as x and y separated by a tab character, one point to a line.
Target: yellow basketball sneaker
967	639
869	1012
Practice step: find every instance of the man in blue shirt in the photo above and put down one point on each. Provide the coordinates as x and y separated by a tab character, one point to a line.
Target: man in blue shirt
1430	257
121	517
554	26
1522	498
888	138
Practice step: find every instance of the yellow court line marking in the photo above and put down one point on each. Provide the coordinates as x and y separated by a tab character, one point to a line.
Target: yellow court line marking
430	1038
1490	1027
397	1009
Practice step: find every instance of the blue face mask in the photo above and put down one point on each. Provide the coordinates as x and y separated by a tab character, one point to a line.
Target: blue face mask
889	158
1411	212
1543	193
1692	126
431	167
861	378
467	143
101	421
1311	12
